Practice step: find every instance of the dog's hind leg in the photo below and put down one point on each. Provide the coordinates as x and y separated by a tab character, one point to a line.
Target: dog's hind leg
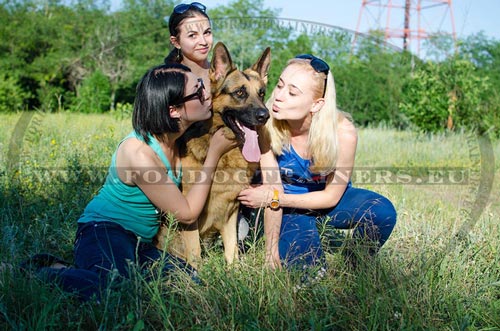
230	238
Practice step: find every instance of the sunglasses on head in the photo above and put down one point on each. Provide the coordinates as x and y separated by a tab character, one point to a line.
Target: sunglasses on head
183	7
198	94
317	64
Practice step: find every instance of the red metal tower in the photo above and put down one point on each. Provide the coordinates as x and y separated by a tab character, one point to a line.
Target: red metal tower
407	20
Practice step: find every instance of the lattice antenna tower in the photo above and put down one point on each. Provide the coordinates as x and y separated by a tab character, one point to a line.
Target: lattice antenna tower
404	22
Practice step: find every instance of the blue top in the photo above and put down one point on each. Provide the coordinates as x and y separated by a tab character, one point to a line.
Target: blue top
296	176
127	205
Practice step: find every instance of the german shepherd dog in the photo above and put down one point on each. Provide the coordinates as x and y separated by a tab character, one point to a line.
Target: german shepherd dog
238	108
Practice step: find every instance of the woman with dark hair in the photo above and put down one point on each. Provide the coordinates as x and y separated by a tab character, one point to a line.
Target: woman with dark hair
191	35
117	227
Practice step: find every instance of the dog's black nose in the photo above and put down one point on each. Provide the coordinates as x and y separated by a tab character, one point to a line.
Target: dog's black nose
262	115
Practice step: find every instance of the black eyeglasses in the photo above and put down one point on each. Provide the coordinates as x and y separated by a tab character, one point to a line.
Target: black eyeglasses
317	64
200	94
183	7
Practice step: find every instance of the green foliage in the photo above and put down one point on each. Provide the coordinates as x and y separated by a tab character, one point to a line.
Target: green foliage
445	95
484	53
369	86
94	94
52	49
12	96
51	98
123	111
53	52
438	47
240	27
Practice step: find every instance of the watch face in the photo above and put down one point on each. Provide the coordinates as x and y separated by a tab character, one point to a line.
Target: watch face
274	204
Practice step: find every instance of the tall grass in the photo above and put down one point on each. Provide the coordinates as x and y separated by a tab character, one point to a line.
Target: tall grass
424	278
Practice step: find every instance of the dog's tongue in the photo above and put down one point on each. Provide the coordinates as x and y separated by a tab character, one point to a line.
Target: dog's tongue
251	150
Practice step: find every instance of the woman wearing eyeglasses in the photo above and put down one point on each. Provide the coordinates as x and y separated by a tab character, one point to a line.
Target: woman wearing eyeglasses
116	230
191	35
314	145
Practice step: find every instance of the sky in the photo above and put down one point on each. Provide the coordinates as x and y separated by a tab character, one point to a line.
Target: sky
470	16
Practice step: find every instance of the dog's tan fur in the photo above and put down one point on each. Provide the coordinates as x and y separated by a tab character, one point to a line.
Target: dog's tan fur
237	94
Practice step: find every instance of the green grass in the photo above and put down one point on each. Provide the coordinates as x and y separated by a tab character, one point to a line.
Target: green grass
425	278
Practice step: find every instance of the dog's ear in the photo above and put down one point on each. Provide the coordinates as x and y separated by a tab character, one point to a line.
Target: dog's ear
262	64
221	63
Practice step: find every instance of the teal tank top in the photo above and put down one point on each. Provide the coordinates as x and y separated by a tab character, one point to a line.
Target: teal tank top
127	205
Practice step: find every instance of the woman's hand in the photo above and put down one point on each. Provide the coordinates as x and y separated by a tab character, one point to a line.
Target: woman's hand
257	196
219	144
273	261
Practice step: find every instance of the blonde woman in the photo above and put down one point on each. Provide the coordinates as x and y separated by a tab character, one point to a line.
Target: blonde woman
314	146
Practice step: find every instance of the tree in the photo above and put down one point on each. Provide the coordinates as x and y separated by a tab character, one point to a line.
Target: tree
94	94
484	53
445	95
244	29
369	85
12	96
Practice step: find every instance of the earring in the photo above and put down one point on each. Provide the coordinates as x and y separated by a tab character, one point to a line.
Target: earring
179	55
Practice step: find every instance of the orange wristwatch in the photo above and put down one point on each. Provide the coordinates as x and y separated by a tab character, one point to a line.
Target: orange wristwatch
275	201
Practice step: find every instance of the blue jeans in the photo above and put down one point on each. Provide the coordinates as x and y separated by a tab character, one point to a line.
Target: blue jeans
371	215
101	248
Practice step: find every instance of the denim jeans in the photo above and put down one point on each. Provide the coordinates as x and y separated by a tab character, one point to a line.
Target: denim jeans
104	247
371	215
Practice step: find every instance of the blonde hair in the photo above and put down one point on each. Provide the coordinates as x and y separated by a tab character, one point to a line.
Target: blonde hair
322	141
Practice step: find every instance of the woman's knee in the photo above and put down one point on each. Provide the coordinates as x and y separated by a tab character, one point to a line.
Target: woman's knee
384	218
386	212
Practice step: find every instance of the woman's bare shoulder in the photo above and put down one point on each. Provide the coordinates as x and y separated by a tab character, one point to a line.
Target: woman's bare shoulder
346	128
135	152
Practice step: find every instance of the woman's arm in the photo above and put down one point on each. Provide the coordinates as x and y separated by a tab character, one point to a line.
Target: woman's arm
272	218
144	169
271	180
335	186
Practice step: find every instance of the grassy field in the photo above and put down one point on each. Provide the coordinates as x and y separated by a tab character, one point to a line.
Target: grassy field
440	270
